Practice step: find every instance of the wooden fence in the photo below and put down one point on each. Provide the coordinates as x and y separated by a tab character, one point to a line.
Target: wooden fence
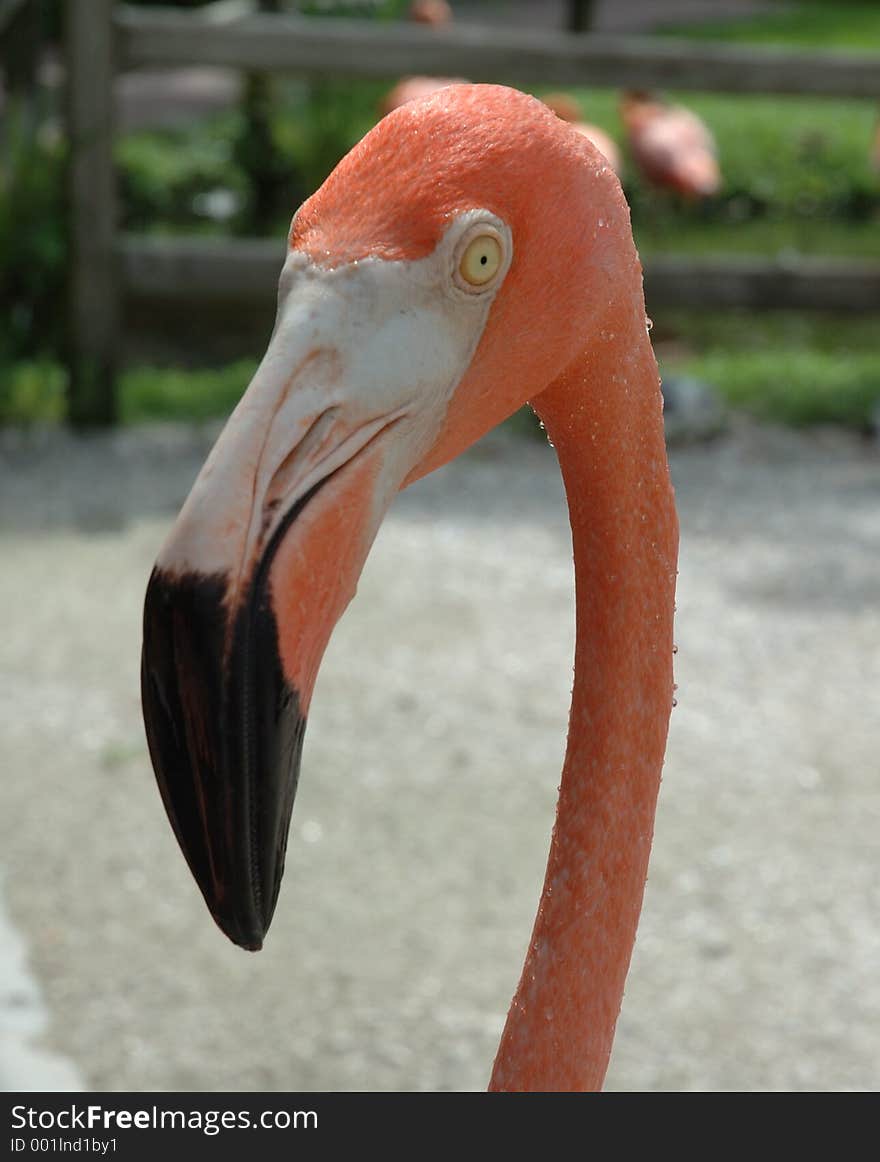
104	38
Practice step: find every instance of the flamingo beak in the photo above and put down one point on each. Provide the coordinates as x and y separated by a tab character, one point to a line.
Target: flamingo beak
265	556
208	744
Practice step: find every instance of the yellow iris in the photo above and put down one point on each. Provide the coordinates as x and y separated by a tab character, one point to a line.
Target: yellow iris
480	260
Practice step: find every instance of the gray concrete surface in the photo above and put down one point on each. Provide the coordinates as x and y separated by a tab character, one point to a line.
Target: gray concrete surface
430	771
26	1063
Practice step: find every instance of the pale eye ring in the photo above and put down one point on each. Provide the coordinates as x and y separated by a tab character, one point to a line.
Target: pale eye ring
479	256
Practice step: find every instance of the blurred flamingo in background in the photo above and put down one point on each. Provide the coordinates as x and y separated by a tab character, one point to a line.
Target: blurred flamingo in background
568	109
672	148
436	13
412	88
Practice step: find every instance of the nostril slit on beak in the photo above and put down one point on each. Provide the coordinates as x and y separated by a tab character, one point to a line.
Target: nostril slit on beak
297	461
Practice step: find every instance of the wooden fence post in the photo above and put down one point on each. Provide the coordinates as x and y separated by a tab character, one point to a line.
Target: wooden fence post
255	147
580	15
93	306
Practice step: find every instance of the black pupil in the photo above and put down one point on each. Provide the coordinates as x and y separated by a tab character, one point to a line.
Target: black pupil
483	260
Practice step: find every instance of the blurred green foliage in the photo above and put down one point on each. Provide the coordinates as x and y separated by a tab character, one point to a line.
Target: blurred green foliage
35	392
796	171
33	249
167	177
32	391
149	393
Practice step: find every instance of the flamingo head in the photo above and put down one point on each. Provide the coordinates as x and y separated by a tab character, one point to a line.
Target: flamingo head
450	268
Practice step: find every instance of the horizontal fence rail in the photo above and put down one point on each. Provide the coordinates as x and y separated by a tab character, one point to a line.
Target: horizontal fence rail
220	269
799	284
312	45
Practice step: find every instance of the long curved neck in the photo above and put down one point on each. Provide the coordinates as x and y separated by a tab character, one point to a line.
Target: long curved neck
604	415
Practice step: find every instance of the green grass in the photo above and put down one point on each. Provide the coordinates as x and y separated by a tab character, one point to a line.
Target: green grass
814	24
786	367
794	386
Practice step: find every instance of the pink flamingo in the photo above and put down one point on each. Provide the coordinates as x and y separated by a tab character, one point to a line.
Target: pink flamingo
671	146
471	253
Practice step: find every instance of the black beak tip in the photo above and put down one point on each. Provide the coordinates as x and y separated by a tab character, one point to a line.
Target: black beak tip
250	939
227	777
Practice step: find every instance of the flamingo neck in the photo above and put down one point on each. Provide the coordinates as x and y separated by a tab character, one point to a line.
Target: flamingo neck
604	415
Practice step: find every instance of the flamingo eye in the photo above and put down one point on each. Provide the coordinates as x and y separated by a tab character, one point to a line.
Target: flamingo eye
480	258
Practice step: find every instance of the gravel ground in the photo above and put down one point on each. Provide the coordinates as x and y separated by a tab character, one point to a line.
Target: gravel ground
430	771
